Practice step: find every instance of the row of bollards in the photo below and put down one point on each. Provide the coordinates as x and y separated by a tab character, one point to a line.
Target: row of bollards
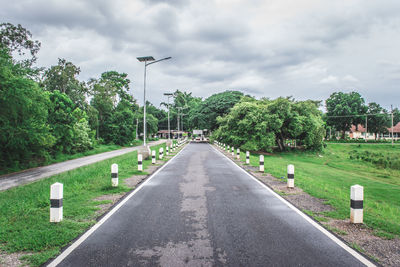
356	191
56	189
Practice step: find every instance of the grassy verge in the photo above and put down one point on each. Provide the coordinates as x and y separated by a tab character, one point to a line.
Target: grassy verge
63	157
24	220
330	174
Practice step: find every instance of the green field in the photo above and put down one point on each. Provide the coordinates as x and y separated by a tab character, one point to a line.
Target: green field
24	220
328	175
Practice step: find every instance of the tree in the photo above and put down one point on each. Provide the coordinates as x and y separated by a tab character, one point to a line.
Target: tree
122	129
377	123
18	39
263	124
24	132
344	110
205	115
61	121
63	77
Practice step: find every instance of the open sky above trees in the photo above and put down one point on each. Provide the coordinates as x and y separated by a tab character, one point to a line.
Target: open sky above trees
306	49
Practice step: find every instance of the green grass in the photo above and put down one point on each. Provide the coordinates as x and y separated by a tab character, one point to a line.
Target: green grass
329	175
63	157
24	220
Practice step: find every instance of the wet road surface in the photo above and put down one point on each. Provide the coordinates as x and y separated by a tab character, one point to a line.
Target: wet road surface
202	210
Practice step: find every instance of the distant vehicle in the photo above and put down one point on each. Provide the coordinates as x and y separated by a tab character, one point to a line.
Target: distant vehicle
198	137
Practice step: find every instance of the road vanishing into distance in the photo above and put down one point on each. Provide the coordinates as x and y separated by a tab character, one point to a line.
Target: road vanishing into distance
201	209
15	179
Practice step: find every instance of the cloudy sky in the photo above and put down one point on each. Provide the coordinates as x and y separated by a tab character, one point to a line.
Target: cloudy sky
307	49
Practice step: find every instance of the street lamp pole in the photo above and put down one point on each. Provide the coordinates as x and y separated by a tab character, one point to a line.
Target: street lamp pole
145	60
169	128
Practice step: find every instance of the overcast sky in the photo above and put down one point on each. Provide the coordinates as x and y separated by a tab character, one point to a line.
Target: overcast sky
306	49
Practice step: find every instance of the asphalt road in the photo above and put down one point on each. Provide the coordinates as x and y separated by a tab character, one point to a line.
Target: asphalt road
15	179
202	210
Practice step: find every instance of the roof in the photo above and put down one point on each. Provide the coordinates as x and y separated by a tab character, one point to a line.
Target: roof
361	129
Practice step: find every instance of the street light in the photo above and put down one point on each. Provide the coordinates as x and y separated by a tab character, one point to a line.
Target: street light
145	60
169	128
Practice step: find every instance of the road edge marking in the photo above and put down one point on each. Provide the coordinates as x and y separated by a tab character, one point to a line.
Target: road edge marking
343	245
83	237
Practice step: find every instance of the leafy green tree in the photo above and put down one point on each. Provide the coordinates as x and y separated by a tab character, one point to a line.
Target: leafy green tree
61	121
344	110
63	77
205	115
24	132
83	136
122	130
377	123
263	124
18	39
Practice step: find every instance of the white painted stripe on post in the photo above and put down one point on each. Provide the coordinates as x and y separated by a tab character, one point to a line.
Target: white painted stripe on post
261	163
80	240
354	253
290	176
56	200
356	203
140	162
114	175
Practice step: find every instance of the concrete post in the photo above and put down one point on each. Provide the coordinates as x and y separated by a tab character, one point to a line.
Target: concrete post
247	157
261	163
228	148
56	202
233	151
114	175
140	162
238	153
356	203
166	148
153	157
290	176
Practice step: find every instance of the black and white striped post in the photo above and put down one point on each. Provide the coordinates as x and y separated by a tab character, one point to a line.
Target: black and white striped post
153	157
247	157
228	148
56	202
114	175
167	149
238	153
261	163
160	153
356	203
233	151
224	146
290	176
140	162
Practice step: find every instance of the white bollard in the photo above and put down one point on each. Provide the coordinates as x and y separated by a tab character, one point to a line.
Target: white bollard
228	148
114	175
160	153
290	176
356	203
56	202
238	153
140	162
167	150
153	157
261	163
233	151
247	157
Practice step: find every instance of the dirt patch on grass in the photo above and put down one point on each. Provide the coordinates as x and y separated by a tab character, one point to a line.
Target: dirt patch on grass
387	252
134	180
12	259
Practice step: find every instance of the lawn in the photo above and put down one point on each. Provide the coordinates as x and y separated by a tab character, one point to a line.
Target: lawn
328	175
24	220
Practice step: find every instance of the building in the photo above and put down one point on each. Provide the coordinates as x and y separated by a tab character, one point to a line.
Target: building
359	133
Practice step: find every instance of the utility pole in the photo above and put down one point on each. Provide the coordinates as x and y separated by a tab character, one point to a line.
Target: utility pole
137	125
391	107
366	128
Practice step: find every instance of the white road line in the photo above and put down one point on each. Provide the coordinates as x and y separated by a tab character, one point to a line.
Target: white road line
74	245
312	222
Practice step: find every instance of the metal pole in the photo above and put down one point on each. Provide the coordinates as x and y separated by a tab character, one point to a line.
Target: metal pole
169	129
366	128
144	105
391	107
